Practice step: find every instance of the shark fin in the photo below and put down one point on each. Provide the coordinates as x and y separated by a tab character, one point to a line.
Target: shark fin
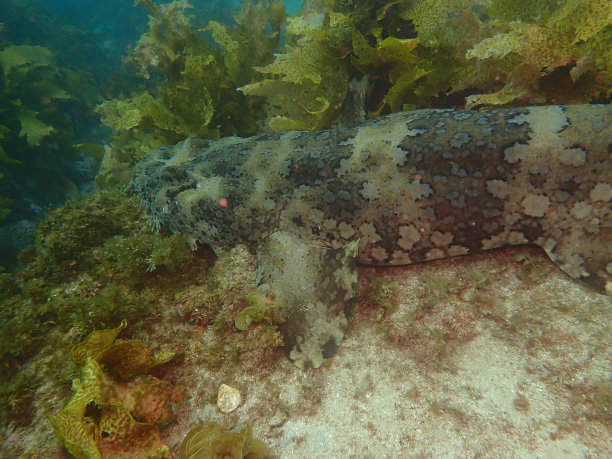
316	288
587	258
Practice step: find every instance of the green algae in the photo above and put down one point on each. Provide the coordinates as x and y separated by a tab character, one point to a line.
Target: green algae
66	240
39	99
136	255
436	285
383	294
46	318
129	358
231	288
261	309
96	421
417	53
102	235
304	87
212	441
97	342
197	95
72	281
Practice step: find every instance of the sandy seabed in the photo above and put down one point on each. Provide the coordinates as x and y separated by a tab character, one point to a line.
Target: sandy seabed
524	376
492	355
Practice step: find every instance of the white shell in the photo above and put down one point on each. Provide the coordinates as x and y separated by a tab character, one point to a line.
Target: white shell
228	398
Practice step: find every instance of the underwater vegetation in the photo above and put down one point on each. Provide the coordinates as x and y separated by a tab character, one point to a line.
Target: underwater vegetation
115	416
5	203
49	132
261	308
94	262
211	441
88	268
424	53
199	71
40	101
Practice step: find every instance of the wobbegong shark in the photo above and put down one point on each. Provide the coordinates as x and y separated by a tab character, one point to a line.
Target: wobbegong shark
404	188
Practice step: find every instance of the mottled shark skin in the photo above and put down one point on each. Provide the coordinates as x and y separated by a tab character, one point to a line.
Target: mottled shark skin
405	188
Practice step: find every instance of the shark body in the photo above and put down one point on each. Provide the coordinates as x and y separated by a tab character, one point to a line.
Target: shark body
405	188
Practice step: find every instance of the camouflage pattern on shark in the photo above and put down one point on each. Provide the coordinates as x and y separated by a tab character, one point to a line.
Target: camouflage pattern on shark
405	188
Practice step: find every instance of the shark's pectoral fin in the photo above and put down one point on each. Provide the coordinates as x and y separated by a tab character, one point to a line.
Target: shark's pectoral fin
316	288
585	257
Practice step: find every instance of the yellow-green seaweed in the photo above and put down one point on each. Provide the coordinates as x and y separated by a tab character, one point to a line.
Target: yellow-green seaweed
96	422
305	86
198	95
129	358
261	309
210	441
95	344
